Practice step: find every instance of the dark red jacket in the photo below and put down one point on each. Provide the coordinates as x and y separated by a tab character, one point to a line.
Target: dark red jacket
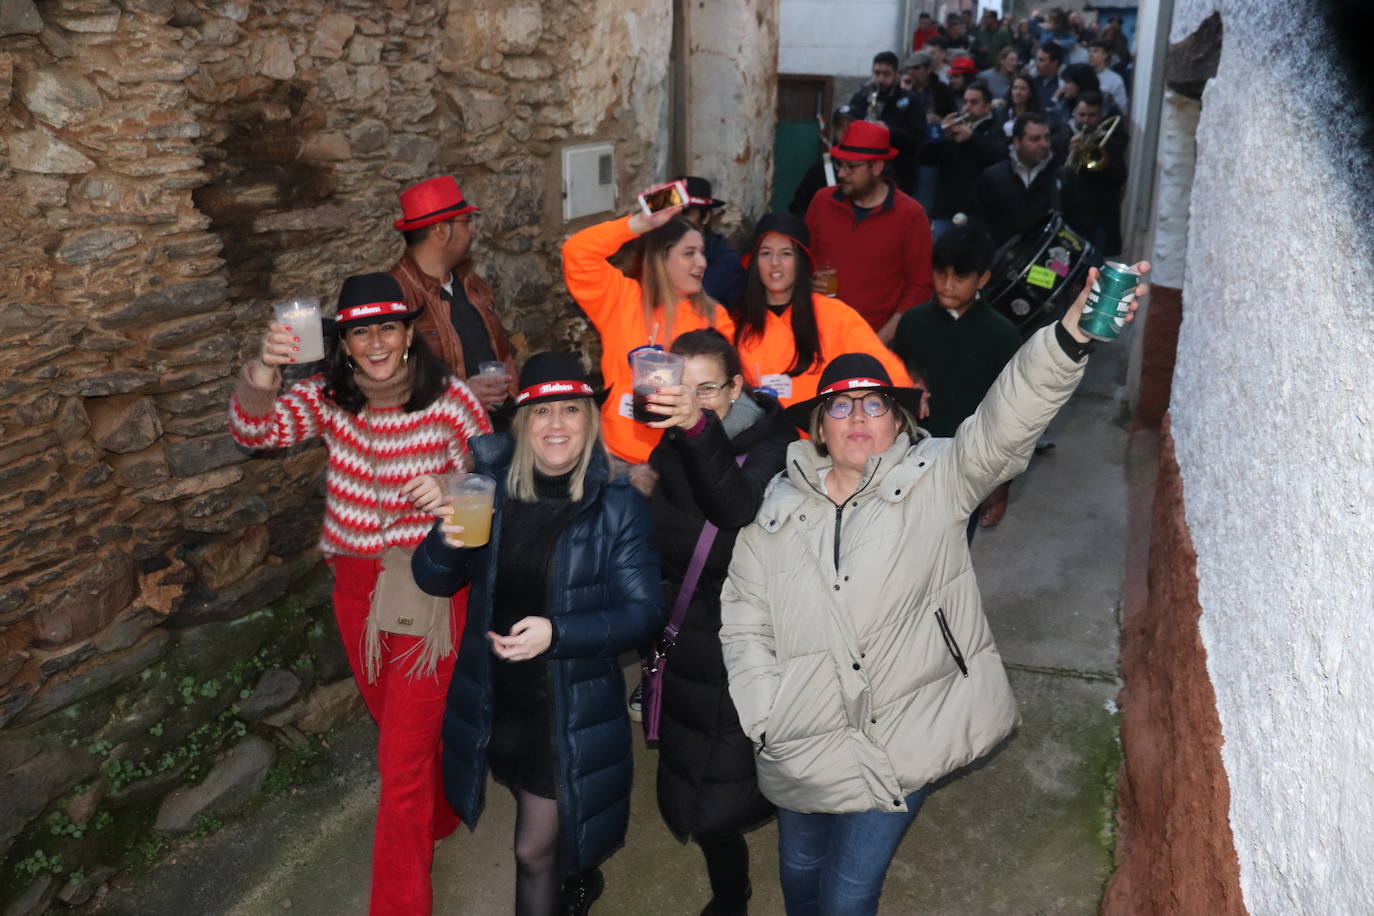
883	261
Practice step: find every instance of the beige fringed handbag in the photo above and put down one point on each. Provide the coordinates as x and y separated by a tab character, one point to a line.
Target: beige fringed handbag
400	606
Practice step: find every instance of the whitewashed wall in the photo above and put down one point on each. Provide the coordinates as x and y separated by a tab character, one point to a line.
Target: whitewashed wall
837	37
1273	406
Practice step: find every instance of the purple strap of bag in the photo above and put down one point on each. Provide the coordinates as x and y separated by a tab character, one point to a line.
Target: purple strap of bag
654	666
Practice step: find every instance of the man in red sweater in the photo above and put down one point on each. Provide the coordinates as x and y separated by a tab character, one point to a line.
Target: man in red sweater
876	238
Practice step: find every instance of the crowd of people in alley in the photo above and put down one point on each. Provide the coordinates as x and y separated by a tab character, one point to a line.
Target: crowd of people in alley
768	489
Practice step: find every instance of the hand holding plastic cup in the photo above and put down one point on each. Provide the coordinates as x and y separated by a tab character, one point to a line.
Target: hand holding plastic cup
494	368
469	503
302	316
653	369
826	280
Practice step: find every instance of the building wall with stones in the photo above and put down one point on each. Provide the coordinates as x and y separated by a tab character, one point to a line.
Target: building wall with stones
170	168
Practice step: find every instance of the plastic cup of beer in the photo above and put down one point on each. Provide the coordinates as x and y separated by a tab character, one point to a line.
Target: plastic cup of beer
494	368
470	498
653	369
302	316
826	280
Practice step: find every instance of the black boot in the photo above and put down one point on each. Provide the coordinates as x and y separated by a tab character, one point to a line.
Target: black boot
580	891
740	908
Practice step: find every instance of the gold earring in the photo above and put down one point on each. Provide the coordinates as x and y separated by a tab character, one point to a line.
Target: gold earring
405	357
352	366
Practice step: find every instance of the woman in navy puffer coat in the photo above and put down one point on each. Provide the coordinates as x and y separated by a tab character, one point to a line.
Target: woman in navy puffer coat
576	563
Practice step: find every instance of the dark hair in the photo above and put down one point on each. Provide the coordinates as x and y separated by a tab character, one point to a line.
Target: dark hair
1018	127
968	249
416	236
753	313
937	41
429	377
1081	75
841	117
1091	97
1032	98
1101	43
982	88
923	16
886	57
710	342
1054	50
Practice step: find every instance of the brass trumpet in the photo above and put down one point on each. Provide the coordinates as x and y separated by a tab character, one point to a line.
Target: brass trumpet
1091	153
955	118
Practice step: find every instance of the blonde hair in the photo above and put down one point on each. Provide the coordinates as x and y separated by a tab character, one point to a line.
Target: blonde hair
906	423
652	273
520	477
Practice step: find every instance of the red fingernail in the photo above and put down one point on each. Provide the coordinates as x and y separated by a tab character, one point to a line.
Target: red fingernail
293	359
295	349
296	339
285	328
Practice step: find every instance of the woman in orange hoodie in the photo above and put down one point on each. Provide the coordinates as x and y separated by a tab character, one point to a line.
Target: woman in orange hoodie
663	301
785	332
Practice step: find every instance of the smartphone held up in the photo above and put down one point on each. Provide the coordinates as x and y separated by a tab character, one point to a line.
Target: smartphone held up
663	197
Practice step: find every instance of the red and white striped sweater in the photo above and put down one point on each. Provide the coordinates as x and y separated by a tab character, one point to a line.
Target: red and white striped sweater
371	455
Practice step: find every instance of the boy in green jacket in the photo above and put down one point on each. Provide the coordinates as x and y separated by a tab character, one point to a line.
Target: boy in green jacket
956	344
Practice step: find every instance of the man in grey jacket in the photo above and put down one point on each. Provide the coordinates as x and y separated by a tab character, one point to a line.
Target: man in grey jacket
859	658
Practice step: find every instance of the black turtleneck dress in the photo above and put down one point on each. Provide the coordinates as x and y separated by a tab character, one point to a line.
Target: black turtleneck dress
522	753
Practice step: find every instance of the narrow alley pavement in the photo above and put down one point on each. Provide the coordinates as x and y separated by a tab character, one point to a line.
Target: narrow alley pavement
1026	831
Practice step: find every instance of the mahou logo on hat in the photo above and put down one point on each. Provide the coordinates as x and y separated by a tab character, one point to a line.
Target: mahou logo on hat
370	299
431	201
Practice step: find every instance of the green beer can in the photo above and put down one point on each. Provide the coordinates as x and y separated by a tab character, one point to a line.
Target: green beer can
1104	314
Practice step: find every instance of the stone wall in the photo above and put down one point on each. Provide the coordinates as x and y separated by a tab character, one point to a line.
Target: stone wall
170	169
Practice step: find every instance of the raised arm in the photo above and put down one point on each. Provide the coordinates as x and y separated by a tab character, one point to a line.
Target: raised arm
594	282
258	418
634	612
995	444
728	494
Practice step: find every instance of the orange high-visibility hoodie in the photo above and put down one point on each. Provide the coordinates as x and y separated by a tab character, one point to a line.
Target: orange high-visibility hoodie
615	305
766	359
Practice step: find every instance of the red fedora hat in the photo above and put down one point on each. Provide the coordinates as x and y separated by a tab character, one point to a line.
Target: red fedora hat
864	141
431	201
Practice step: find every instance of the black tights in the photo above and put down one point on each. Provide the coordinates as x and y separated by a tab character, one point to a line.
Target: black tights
537	881
727	865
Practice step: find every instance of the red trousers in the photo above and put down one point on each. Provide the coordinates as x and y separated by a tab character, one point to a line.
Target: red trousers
412	812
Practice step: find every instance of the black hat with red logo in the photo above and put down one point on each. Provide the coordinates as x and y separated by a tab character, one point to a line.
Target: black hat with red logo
554	376
372	299
853	374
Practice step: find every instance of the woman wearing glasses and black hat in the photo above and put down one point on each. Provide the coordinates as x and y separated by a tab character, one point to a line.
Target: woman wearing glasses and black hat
388	412
568	580
859	658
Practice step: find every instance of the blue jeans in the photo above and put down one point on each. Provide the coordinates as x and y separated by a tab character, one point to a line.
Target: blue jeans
834	864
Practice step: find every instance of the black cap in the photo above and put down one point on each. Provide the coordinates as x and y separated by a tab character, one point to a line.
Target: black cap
372	299
554	376
853	373
699	193
794	227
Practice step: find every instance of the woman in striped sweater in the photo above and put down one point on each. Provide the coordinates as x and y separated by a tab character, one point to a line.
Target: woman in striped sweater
389	414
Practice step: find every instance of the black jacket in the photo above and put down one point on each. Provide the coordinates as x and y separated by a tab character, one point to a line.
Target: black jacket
706	780
906	125
1003	203
961	164
604	598
1092	200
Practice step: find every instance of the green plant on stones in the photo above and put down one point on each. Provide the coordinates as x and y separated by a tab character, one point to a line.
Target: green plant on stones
121	773
102	820
189	689
38	862
205	825
291	771
60	825
150	849
99	747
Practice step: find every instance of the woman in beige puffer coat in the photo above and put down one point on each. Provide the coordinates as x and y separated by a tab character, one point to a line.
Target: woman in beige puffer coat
853	632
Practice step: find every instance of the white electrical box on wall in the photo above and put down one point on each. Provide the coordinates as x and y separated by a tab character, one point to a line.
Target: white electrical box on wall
588	179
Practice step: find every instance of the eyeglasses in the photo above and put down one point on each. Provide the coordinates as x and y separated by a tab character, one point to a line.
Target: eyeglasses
841	406
709	390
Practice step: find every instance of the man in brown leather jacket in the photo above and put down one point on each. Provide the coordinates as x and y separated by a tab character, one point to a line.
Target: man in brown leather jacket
459	320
